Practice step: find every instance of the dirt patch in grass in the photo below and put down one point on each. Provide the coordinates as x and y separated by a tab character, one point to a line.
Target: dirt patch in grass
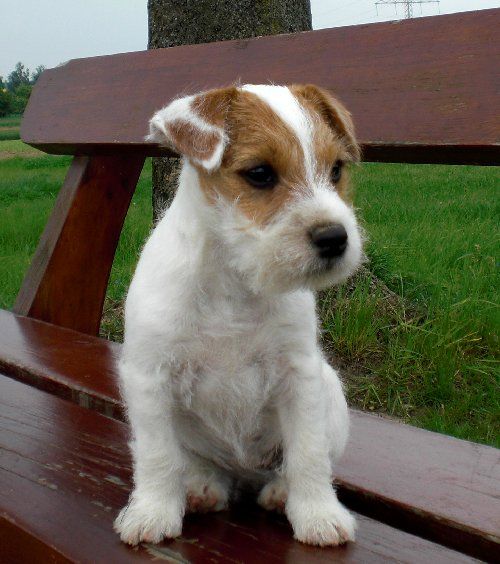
112	320
4	155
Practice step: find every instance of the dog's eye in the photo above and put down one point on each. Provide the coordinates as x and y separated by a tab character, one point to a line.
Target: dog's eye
262	176
337	171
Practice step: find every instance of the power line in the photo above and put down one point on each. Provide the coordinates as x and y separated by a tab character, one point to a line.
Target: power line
407	5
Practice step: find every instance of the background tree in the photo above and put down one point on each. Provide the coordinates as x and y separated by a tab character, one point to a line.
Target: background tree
36	73
19	76
5	102
15	93
4	99
183	22
19	98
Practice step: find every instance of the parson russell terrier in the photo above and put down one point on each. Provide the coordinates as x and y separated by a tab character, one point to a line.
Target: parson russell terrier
221	370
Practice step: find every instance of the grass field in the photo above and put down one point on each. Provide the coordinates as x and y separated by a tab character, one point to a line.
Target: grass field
420	341
9	127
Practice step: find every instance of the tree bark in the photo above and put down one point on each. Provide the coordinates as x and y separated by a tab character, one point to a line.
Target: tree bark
186	22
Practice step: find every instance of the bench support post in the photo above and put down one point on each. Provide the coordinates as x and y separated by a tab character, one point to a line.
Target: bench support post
67	280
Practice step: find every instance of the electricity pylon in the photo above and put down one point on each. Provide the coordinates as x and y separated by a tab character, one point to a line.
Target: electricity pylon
407	5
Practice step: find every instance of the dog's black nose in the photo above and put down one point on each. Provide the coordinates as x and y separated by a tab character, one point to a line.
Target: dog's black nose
330	240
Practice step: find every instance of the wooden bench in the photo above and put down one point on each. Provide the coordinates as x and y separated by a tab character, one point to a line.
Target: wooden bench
65	467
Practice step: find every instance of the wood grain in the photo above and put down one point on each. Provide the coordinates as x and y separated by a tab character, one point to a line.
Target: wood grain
423	90
65	472
67	280
66	363
443	488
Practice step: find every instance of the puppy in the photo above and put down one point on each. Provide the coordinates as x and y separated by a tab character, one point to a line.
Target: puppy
221	371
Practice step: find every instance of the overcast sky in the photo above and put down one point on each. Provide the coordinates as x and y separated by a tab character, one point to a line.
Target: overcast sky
49	32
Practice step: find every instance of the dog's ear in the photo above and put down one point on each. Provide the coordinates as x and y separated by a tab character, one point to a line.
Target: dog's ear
194	126
333	112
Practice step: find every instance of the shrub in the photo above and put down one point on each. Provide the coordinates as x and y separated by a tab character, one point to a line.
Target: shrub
5	102
20	98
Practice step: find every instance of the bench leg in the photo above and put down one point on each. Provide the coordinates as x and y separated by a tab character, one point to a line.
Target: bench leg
67	280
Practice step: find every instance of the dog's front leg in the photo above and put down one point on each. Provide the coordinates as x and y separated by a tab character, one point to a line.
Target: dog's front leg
312	507
157	504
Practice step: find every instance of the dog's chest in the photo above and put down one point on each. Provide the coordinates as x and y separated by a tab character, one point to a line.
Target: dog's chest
228	374
231	357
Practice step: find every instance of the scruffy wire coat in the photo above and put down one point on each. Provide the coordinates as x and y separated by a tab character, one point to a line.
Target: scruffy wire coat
221	370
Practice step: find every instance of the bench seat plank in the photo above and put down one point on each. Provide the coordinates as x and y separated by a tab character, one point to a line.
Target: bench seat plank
66	363
444	488
435	102
65	472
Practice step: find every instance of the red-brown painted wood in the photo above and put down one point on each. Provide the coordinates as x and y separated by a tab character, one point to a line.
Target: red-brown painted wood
433	485
424	90
66	363
67	280
443	488
65	472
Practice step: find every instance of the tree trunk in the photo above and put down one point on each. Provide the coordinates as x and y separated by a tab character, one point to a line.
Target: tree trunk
183	22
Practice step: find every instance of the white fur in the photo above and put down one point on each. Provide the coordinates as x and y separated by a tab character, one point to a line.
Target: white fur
221	369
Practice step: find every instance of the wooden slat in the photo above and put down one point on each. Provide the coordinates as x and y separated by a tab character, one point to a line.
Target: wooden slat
433	485
67	280
65	472
69	364
424	90
445	489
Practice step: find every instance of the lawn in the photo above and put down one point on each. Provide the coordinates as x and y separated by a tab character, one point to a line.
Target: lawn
9	127
417	333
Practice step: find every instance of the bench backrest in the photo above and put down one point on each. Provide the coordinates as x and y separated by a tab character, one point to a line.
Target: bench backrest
421	91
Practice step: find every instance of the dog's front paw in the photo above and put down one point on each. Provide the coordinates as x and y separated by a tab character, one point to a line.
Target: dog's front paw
324	522
142	520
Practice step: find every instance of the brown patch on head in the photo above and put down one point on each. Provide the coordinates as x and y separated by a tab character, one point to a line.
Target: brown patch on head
213	106
333	112
334	138
257	135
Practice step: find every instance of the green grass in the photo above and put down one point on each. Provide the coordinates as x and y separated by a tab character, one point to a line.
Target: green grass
15	149
420	341
9	127
8	135
28	187
10	121
432	355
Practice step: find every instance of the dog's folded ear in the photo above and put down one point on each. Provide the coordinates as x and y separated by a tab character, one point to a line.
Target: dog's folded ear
333	112
194	126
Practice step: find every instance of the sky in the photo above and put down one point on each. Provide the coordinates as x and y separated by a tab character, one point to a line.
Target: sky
49	32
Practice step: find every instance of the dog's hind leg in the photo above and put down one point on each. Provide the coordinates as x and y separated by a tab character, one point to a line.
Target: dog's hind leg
207	487
274	494
337	427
